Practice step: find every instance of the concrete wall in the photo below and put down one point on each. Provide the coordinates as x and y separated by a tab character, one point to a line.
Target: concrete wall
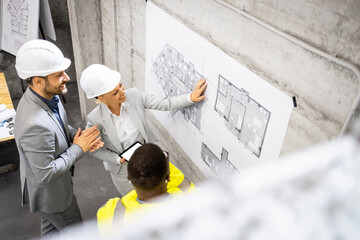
86	33
325	90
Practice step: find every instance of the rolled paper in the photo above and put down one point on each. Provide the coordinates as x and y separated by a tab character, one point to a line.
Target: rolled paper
5	115
2	107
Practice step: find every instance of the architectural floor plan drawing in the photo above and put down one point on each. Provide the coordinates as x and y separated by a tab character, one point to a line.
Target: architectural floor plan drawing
19	23
19	10
244	117
220	166
178	77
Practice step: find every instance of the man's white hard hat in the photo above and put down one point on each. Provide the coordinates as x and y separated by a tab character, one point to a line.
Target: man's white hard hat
98	79
40	58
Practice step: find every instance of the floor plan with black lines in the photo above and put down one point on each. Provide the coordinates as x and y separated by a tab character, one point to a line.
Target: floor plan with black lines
19	11
178	77
244	117
220	166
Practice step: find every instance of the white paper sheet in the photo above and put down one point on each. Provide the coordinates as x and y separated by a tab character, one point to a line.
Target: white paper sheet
243	119
129	152
19	23
7	128
6	114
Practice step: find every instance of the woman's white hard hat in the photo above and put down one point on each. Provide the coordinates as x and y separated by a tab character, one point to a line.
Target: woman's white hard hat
98	79
40	58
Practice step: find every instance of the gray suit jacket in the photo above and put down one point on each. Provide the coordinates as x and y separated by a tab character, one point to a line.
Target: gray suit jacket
135	106
46	155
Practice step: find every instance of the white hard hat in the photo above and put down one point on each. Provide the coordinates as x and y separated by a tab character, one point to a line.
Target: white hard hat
98	79
40	58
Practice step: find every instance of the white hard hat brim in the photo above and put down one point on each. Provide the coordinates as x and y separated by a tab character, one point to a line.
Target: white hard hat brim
26	74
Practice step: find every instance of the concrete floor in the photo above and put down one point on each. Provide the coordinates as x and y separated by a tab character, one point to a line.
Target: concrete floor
92	184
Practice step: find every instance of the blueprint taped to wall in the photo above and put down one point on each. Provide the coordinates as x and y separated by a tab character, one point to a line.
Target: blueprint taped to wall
19	23
243	119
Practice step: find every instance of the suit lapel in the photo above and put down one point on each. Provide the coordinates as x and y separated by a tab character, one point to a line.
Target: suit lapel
109	127
51	114
46	108
64	121
131	110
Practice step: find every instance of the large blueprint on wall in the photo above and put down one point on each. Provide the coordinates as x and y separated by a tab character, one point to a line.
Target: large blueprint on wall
243	119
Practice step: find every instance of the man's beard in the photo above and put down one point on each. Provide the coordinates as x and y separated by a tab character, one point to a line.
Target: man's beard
55	91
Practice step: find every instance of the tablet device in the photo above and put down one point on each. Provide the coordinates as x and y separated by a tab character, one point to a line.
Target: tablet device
130	150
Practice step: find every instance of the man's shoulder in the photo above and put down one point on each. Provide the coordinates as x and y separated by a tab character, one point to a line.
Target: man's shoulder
29	103
27	111
31	119
25	102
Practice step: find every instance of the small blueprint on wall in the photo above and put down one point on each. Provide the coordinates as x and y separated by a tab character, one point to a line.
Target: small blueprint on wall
243	119
19	23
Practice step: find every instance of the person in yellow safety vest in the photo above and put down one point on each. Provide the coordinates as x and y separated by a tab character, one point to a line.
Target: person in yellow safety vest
152	176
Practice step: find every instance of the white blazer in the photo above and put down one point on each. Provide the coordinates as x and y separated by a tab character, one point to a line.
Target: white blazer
135	106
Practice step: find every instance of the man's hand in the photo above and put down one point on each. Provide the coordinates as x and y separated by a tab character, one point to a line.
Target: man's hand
198	94
87	138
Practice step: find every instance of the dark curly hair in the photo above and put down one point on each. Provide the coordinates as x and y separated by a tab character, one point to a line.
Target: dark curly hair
147	167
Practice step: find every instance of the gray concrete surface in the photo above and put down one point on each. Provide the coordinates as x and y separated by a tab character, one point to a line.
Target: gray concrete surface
85	26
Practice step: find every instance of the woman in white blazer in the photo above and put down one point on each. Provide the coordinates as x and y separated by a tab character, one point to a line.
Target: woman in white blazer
121	116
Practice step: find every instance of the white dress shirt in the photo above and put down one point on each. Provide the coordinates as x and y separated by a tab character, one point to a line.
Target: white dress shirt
126	129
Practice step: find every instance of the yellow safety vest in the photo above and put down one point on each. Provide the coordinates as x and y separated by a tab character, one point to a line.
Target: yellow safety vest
105	215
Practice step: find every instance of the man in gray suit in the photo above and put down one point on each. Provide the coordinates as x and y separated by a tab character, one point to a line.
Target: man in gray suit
48	147
121	116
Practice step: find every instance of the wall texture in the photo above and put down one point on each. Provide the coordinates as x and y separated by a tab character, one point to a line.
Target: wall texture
85	23
325	90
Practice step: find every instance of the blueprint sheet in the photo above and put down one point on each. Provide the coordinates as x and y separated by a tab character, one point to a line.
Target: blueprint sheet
19	23
243	119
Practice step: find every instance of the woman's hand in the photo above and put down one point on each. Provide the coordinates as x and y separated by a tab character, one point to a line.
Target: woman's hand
198	94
